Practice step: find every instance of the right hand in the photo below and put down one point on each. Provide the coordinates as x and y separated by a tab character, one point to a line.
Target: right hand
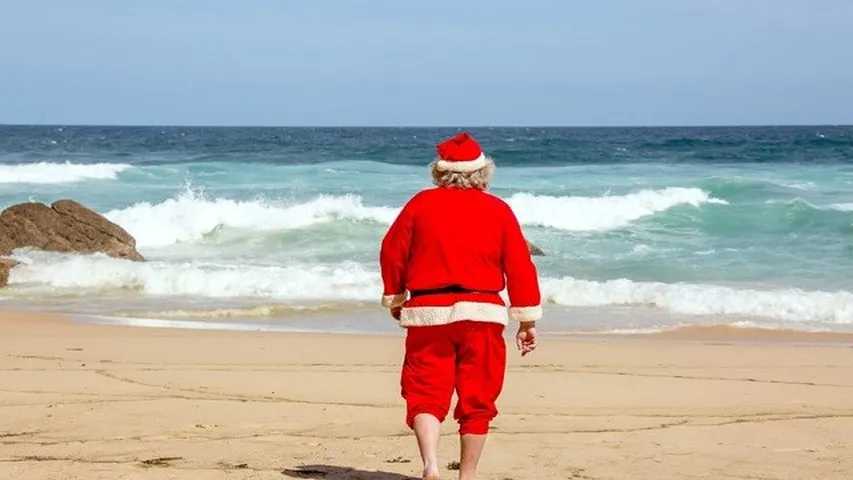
525	339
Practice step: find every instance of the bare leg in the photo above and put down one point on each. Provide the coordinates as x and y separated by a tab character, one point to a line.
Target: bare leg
472	447
427	430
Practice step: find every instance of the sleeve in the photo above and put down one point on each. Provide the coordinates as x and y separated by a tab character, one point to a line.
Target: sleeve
393	257
521	277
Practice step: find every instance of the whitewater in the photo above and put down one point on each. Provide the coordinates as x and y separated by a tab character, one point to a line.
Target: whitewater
351	282
643	229
67	172
191	215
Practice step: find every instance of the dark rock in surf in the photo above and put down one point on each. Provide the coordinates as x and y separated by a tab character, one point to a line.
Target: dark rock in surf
64	226
6	264
534	250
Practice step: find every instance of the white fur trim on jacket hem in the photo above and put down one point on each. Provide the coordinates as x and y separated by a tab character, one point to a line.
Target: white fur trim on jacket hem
525	314
463	166
396	300
477	311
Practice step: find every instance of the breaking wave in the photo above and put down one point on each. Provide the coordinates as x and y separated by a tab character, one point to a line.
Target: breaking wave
790	305
842	207
190	216
87	273
67	172
602	213
349	281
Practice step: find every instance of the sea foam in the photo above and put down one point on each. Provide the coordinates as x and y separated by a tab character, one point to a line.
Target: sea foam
602	213
350	281
842	207
790	305
67	172
82	274
191	215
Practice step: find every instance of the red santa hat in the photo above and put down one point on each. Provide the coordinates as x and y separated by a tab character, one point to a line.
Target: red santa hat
460	153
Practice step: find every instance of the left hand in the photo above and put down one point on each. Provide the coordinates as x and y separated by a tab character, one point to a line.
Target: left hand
395	312
525	339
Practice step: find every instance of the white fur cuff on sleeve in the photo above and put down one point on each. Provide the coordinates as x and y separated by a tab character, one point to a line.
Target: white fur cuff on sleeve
526	314
391	301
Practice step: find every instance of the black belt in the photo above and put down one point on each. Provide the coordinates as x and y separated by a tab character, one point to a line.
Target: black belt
440	290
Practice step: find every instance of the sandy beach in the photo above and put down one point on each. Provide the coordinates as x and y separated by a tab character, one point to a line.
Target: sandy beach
83	401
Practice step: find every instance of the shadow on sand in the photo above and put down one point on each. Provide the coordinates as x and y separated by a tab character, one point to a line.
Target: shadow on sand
331	472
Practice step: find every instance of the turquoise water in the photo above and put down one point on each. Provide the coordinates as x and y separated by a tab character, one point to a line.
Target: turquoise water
643	227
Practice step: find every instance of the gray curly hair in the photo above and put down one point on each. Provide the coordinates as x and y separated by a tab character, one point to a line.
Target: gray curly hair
478	179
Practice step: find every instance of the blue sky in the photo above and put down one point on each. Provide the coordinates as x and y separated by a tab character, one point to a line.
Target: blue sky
535	62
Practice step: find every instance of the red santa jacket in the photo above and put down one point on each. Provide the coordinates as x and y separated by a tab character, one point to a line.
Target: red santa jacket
454	250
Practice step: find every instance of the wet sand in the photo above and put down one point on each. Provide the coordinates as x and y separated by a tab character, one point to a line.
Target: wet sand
80	401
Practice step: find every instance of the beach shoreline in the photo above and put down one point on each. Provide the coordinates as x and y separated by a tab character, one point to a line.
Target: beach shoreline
378	323
96	401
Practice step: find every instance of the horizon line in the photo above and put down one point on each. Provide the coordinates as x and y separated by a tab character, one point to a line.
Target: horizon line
144	125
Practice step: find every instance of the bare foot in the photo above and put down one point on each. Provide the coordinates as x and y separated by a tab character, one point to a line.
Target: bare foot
430	473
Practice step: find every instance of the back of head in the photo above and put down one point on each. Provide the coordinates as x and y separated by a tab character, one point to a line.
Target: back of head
461	163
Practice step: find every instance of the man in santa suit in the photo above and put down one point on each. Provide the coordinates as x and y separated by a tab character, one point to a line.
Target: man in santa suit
444	261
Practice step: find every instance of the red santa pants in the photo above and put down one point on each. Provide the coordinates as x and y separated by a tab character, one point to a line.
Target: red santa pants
467	356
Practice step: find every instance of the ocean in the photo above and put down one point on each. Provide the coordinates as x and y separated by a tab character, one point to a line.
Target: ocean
279	228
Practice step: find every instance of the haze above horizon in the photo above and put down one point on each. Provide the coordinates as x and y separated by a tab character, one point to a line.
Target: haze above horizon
383	63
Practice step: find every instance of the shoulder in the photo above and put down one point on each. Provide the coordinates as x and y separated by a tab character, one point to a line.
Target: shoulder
421	197
418	200
497	203
438	197
425	194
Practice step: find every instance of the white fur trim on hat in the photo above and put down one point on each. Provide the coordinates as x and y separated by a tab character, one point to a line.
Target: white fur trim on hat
462	166
526	314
